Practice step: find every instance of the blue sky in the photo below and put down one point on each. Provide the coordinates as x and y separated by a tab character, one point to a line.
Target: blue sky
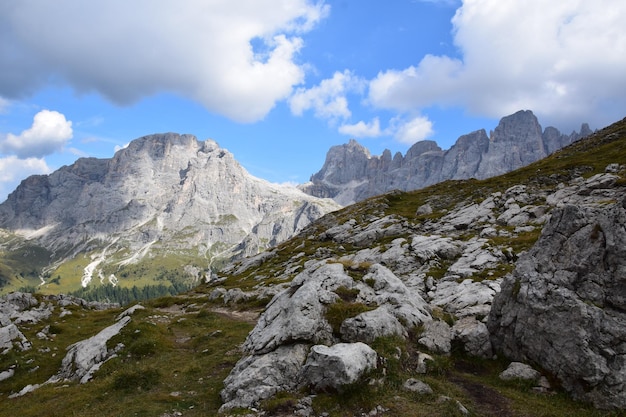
278	82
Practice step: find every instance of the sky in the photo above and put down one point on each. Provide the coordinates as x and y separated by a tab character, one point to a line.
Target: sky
278	82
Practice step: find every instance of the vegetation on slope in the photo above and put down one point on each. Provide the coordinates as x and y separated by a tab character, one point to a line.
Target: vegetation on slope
180	348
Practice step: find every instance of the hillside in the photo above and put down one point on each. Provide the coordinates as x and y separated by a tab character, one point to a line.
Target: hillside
404	281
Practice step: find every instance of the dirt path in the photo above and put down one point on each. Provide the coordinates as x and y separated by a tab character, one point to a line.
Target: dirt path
248	316
488	401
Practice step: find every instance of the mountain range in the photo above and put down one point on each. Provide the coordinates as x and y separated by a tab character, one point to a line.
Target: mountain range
169	210
351	174
498	297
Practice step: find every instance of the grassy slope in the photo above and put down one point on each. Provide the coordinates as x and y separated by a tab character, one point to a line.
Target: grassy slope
175	359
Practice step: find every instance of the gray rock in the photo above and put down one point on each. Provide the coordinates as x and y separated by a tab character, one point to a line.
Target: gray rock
462	409
258	377
436	337
424	209
331	368
4	375
467	298
130	311
521	371
477	255
41	312
563	307
84	358
423	360
9	336
474	336
297	314
368	326
406	305
417	386
426	248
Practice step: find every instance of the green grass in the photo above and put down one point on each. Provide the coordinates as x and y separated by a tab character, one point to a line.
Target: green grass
336	313
167	365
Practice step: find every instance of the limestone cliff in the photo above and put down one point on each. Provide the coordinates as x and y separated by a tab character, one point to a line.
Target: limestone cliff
351	174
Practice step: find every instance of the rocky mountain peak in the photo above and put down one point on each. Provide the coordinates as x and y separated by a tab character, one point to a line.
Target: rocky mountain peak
149	193
351	174
517	127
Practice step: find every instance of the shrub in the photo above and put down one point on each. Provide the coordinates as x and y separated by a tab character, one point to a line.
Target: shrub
347	294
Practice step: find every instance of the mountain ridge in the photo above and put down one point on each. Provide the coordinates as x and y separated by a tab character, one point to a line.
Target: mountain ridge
350	173
164	192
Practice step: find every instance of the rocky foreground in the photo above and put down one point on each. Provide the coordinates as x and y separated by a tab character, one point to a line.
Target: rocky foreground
561	310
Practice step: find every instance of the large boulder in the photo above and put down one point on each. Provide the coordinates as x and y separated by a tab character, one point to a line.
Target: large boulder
258	377
564	306
331	368
367	327
436	337
474	336
297	314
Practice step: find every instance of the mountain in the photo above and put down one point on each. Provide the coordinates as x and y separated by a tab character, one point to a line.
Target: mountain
165	194
495	297
351	174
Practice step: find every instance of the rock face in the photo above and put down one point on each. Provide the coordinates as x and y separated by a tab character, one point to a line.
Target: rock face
351	174
162	192
564	307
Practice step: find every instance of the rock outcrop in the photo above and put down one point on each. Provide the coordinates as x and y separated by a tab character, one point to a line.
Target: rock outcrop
20	311
351	174
296	325
564	307
85	357
432	277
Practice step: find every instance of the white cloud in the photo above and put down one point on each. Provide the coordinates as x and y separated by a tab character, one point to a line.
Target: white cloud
49	133
362	129
328	99
119	148
416	129
199	49
563	60
13	169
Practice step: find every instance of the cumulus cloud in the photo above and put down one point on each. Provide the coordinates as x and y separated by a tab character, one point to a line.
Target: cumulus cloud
328	100
13	169
236	58
49	133
413	130
563	60
362	129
